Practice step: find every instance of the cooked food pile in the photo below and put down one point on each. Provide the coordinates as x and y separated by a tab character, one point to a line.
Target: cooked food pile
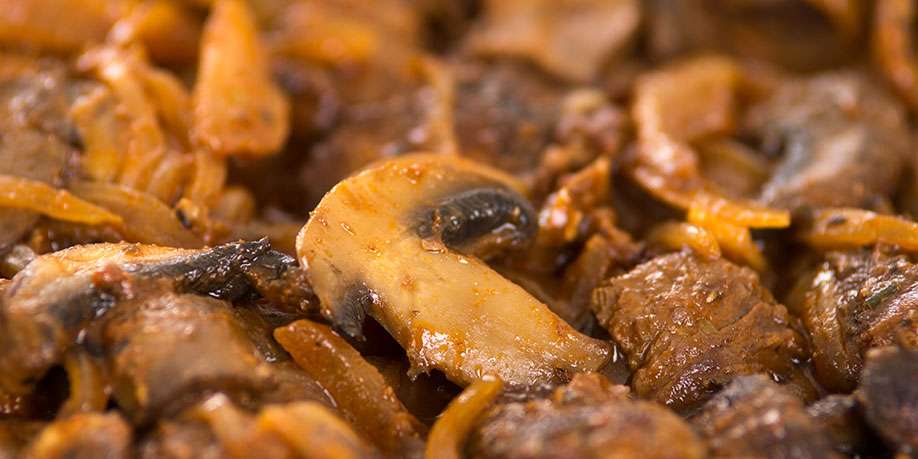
341	229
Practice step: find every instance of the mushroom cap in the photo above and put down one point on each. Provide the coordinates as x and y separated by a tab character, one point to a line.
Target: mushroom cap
365	254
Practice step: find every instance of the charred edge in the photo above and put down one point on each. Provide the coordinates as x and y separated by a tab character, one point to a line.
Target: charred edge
463	218
220	272
75	311
352	310
270	266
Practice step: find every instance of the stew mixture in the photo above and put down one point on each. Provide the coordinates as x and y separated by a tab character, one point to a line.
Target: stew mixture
458	228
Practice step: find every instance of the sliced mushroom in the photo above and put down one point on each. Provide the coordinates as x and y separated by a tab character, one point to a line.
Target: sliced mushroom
390	241
54	299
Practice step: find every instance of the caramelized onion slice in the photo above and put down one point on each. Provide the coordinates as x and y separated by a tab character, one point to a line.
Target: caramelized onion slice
21	193
743	213
168	31
237	108
88	385
300	429
56	26
893	48
359	390
124	71
735	241
314	432
448	435
674	107
384	243
83	435
145	218
102	131
848	228
676	235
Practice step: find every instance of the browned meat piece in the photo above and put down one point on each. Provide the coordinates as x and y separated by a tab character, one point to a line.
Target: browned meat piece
83	436
58	295
889	394
34	131
408	119
831	129
842	418
689	325
588	418
802	35
854	301
505	114
165	351
755	418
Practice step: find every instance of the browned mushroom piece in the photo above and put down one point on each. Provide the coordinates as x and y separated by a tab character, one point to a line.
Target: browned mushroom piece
689	325
842	418
756	418
890	396
588	418
57	296
571	39
33	131
853	301
831	129
400	242
83	436
801	35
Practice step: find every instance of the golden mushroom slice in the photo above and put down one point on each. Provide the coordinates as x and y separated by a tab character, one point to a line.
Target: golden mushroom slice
401	241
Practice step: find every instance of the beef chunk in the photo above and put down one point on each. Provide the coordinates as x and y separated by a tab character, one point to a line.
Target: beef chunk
505	115
689	325
855	301
842	418
831	129
166	351
754	417
889	393
588	418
